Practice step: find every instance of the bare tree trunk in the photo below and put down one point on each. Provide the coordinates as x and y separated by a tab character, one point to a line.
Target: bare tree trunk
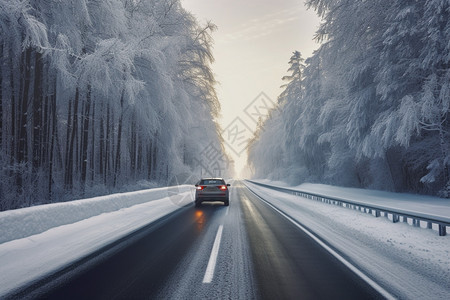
119	140
133	145
13	134
53	135
46	129
23	137
22	153
68	176
152	151
107	153
149	160
77	148
46	117
37	111
139	157
102	149
155	153
93	148
85	137
68	133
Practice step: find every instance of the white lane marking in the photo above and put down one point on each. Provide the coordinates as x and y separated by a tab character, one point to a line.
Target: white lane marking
228	209
363	276
209	274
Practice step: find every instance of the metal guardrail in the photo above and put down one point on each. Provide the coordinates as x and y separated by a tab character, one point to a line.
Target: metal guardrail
373	209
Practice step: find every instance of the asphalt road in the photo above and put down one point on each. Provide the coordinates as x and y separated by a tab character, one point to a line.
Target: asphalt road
244	251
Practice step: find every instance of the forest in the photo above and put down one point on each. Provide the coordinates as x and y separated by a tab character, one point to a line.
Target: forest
98	95
370	107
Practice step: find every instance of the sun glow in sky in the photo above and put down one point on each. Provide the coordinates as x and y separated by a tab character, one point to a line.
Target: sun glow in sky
252	47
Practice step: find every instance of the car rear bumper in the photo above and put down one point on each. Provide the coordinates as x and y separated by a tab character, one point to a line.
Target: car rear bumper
211	198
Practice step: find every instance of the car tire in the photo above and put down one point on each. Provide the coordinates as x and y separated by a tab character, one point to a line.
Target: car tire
197	203
226	203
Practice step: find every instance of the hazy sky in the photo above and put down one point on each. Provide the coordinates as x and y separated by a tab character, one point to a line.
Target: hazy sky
253	44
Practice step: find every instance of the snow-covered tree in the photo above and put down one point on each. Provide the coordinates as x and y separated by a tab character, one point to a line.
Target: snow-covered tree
374	102
97	95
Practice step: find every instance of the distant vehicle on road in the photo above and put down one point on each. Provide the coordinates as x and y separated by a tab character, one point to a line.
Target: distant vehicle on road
212	189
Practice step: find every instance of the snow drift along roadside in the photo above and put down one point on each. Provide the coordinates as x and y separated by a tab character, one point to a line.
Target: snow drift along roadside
27	259
20	223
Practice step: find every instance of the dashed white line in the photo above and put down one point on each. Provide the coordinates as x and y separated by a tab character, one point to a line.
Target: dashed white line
209	274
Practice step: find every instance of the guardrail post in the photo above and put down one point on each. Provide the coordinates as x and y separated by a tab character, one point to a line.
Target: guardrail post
442	230
394	218
377	213
429	225
416	223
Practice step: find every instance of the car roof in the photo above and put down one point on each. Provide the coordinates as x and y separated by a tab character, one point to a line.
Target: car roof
216	178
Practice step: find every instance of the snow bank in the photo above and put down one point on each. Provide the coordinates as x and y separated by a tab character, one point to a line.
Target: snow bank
20	223
24	260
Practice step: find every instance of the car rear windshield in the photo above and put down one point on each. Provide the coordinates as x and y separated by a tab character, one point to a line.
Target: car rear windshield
212	181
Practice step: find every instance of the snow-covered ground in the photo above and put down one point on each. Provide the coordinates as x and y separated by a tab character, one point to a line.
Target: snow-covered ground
410	262
39	240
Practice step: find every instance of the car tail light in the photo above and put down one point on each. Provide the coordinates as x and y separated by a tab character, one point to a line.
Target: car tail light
201	187
223	187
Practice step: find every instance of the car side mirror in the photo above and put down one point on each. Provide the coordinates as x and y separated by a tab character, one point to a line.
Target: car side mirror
228	184
196	185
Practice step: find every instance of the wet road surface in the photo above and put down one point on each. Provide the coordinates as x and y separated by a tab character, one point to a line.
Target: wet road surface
244	251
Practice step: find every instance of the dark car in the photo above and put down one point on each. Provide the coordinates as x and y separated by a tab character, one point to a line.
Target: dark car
212	189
